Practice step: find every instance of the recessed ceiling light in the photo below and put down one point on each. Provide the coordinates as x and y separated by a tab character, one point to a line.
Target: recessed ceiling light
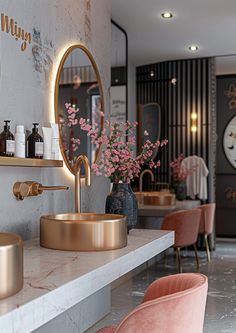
152	74
193	48
167	15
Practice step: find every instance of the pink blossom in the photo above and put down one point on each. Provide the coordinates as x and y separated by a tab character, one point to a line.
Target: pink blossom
179	172
67	105
117	142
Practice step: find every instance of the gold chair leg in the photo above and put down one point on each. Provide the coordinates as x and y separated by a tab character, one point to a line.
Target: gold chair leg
178	256
196	255
207	248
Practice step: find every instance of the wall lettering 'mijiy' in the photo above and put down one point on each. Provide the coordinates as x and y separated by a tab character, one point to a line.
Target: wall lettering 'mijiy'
11	26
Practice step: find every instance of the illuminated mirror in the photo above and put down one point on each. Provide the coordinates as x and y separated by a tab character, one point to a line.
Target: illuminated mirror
78	94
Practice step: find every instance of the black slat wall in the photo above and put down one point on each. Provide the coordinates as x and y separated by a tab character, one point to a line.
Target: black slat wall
193	92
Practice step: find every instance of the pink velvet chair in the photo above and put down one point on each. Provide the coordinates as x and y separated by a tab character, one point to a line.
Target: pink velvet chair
172	304
185	224
207	224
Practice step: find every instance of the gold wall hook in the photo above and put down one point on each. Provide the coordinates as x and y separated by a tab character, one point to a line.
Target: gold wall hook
25	189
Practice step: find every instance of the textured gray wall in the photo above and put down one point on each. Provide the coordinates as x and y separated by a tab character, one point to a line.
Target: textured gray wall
26	94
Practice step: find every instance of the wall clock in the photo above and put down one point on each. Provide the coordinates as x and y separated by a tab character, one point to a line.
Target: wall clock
229	141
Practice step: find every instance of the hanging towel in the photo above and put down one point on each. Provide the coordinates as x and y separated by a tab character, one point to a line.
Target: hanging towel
196	181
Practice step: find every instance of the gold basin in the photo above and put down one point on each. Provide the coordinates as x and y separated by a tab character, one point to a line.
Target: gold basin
162	198
83	232
139	196
11	261
159	200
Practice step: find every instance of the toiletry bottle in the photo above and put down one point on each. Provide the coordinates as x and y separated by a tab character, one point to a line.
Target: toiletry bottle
7	141
55	141
47	143
35	143
20	141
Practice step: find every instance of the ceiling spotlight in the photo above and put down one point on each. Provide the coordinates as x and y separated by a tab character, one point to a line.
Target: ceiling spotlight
167	15
173	81
193	48
152	74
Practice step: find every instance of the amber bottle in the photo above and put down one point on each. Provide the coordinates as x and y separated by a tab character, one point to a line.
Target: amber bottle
35	143
7	141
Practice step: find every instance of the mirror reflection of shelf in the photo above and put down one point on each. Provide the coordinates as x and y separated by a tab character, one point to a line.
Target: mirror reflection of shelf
29	162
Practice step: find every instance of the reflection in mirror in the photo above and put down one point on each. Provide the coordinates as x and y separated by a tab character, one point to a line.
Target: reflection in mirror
78	94
119	68
149	115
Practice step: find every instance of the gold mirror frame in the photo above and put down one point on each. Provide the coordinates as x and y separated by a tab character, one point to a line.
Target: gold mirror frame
56	94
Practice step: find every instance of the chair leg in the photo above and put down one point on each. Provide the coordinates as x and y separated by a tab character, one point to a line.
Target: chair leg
196	255
207	248
178	256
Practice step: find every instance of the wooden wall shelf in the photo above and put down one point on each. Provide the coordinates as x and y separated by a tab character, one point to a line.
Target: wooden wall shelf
29	162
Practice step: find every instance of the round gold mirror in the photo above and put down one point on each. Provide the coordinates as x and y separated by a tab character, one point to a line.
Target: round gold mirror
78	94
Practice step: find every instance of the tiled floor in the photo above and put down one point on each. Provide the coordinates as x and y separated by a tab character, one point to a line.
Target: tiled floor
221	302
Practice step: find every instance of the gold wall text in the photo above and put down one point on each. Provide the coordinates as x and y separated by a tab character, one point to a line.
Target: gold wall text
9	25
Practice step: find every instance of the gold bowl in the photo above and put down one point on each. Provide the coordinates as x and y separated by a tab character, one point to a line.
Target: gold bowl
162	198
83	232
11	264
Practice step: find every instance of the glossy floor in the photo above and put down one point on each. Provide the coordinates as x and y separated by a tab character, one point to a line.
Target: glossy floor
221	302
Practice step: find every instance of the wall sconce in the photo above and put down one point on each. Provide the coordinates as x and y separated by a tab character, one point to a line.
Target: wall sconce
193	122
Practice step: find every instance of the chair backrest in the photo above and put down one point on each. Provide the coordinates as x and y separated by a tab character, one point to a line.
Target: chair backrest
173	304
207	218
185	223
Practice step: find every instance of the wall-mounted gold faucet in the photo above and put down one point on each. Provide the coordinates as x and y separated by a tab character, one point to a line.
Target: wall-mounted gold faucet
25	189
82	159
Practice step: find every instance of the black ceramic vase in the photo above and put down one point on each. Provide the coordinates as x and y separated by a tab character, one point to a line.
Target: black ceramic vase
122	201
181	191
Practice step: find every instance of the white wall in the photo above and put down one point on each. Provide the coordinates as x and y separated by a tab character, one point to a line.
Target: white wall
226	65
26	95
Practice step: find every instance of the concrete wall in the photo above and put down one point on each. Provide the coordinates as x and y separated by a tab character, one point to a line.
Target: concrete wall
26	94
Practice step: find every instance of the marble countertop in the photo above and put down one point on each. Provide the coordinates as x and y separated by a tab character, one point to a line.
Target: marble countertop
54	281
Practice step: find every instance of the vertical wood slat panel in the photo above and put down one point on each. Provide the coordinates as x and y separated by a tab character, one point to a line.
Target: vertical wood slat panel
191	94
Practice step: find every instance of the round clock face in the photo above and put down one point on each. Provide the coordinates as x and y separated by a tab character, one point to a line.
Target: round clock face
229	141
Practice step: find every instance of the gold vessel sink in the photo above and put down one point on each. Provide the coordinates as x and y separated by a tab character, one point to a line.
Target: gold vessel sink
11	263
162	198
83	232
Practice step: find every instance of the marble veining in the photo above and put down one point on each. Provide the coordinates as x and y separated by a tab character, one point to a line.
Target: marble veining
54	281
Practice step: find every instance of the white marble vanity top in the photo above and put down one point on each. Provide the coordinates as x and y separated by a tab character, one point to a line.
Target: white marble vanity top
54	281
